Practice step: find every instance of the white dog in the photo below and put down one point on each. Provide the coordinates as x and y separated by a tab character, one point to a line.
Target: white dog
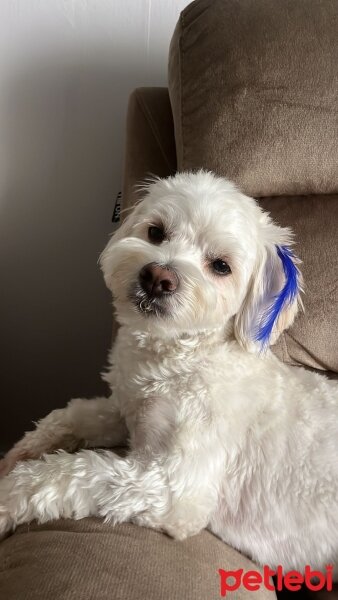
221	434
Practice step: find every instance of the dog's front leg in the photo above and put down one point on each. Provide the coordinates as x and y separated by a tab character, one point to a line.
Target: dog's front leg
151	492
79	485
81	424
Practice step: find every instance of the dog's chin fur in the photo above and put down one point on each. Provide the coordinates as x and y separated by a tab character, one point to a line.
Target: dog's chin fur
222	435
149	306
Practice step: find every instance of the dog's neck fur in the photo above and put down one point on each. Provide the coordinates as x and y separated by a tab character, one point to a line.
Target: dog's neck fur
185	342
134	350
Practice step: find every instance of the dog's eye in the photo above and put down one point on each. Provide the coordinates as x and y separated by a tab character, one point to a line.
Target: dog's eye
220	267
156	234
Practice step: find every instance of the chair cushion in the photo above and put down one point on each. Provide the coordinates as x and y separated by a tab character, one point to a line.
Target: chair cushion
89	559
253	87
150	142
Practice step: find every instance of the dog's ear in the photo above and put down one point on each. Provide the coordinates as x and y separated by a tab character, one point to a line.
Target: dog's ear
273	297
124	231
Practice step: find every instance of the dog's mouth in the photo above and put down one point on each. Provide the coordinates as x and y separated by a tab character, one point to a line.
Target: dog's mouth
149	305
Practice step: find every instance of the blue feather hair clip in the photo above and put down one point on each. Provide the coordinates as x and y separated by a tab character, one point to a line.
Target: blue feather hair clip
285	297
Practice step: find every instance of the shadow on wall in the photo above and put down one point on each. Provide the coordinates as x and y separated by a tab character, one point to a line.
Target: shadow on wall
62	155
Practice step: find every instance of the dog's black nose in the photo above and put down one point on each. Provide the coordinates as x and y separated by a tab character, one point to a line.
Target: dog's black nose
157	281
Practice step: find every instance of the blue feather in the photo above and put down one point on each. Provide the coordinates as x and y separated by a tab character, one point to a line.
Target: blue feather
285	297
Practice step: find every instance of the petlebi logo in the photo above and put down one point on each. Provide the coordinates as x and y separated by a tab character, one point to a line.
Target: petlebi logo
252	581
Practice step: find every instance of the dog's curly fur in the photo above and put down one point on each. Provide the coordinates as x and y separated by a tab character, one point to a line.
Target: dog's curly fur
221	434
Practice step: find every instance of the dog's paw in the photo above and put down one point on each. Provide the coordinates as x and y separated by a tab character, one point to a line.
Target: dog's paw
6	520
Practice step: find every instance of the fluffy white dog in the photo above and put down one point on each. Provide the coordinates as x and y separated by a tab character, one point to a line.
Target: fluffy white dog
221	434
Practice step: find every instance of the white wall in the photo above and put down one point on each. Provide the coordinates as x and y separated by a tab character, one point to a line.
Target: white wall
66	70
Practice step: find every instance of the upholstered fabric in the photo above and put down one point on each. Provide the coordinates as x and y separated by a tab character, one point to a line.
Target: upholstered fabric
91	560
150	141
254	88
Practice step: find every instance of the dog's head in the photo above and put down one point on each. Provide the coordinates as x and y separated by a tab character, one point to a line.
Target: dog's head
196	254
